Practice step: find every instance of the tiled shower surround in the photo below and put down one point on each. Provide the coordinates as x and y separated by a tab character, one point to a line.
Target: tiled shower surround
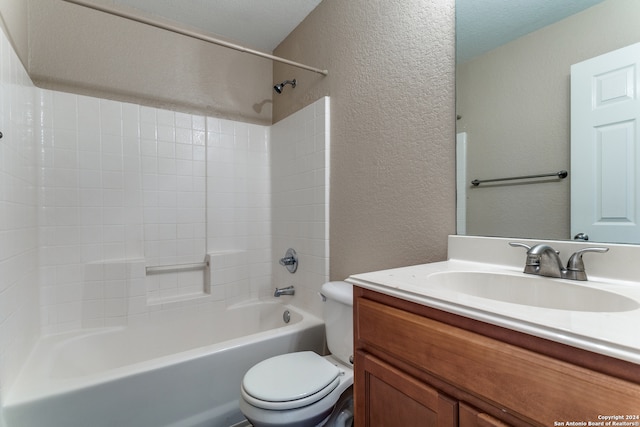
94	191
125	187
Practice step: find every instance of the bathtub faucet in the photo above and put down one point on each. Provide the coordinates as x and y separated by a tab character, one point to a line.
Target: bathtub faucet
284	291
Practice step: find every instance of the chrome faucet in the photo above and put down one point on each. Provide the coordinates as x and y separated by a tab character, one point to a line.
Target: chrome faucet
575	266
543	260
284	291
290	260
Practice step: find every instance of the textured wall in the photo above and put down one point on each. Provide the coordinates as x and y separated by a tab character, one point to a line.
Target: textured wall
515	108
391	81
75	49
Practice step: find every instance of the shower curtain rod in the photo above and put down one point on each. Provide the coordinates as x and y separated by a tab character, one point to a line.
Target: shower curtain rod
193	34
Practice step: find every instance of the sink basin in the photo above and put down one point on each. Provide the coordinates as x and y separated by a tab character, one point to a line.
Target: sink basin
532	291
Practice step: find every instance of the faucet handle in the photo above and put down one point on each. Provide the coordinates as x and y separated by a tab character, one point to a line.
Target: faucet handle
576	265
290	260
519	245
534	250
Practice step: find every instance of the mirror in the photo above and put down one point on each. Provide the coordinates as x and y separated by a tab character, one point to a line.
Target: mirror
513	105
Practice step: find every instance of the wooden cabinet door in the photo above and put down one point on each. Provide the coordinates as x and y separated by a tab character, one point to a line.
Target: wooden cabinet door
388	397
471	417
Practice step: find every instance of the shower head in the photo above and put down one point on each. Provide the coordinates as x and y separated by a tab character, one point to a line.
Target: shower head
278	88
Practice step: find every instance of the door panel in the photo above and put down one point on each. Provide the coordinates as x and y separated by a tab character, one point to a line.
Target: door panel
605	155
389	397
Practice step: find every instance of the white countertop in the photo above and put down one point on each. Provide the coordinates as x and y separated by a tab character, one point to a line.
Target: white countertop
615	334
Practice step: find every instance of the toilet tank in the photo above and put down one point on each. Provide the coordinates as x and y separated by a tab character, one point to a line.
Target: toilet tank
338	318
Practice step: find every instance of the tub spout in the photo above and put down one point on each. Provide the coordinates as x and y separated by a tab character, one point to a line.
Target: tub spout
284	291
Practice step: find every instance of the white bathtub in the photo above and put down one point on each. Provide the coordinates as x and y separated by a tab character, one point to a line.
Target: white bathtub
183	370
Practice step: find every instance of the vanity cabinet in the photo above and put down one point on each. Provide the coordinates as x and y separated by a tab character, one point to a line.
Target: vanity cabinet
394	398
418	366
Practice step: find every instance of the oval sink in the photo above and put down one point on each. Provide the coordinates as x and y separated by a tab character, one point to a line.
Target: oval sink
532	291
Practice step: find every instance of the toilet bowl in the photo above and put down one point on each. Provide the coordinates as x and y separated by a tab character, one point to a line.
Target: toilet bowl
304	398
304	389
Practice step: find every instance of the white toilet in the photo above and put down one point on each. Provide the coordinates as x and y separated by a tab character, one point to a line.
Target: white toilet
304	389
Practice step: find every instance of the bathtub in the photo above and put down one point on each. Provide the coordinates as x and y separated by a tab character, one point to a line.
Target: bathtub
180	369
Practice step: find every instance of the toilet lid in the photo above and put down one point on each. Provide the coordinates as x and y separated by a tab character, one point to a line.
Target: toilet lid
290	381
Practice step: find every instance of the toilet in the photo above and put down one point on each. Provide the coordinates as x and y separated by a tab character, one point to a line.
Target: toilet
304	389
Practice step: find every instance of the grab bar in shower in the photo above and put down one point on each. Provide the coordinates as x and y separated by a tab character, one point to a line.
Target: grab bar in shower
156	269
560	175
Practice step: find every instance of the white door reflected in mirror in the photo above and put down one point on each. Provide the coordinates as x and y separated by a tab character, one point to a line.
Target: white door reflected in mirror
605	150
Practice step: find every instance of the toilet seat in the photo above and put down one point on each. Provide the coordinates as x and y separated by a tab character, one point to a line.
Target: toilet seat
290	381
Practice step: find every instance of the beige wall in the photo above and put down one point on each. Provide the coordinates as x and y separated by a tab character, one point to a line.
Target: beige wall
514	103
79	50
13	14
391	81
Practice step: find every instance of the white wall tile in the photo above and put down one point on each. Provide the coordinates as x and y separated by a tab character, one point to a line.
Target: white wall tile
299	176
19	293
110	117
64	110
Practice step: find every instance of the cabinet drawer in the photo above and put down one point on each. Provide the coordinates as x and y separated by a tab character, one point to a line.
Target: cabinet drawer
537	387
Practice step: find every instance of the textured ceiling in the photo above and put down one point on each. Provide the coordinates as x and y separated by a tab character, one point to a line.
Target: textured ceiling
482	25
258	24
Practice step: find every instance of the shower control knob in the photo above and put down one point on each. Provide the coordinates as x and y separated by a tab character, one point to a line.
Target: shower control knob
290	260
